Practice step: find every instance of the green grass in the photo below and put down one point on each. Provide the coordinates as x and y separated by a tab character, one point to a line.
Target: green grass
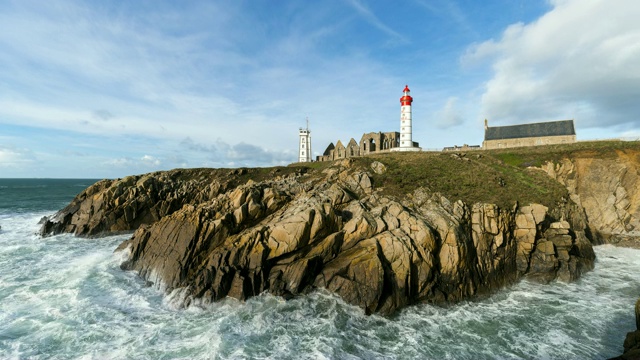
538	155
474	177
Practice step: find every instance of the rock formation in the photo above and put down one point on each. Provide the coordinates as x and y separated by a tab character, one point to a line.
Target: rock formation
114	206
607	189
606	185
215	233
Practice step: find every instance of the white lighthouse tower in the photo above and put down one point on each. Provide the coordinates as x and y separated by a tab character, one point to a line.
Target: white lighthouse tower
406	137
305	144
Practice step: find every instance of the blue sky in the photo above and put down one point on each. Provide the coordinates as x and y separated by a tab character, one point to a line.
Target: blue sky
96	89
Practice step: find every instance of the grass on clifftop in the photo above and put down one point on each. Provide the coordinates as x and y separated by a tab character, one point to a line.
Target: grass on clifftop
501	177
472	177
538	155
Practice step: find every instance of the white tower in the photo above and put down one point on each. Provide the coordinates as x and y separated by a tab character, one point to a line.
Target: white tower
406	137
305	144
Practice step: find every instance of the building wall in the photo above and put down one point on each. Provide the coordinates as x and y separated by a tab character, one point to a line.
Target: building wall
532	141
370	142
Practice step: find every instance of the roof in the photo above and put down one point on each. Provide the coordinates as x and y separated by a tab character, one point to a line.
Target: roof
328	150
551	128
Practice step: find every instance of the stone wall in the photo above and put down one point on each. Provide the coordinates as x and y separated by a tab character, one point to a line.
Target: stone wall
370	143
531	141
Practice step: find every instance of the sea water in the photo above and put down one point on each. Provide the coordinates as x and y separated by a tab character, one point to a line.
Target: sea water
66	298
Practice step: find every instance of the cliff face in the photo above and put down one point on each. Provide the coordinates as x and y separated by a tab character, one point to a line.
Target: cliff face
607	189
290	233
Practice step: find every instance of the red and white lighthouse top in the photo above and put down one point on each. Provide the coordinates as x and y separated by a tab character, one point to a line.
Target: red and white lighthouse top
406	99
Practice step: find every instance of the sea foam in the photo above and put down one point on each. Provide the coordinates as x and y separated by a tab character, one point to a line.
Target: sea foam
66	297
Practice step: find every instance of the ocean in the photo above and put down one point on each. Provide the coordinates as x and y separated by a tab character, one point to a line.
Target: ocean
64	297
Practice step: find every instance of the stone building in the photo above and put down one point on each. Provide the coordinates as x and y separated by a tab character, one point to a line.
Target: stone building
543	133
376	142
370	143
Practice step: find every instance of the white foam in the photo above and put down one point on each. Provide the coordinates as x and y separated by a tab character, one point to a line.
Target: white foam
64	296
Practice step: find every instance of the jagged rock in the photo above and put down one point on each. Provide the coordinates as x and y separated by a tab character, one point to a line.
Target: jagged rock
215	235
606	189
373	251
115	206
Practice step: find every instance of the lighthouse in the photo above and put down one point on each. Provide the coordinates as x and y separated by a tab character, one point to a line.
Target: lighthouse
304	149
406	137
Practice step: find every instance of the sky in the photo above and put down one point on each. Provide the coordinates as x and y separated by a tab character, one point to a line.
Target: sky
106	89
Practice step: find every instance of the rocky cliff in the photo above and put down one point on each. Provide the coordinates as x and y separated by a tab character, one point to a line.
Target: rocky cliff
607	189
605	182
237	233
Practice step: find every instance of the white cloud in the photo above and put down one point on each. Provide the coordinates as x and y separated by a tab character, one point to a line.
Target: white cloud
580	60
241	154
151	161
120	162
145	162
78	68
13	157
450	115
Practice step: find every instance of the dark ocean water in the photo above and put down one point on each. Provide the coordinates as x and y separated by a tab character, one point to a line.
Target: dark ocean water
20	196
66	298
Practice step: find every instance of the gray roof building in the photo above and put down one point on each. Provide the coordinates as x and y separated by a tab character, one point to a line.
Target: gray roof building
552	128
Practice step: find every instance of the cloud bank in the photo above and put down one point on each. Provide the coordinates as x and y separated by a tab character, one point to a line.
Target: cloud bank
581	60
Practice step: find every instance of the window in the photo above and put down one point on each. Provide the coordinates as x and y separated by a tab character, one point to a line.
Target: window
303	145
303	139
303	153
